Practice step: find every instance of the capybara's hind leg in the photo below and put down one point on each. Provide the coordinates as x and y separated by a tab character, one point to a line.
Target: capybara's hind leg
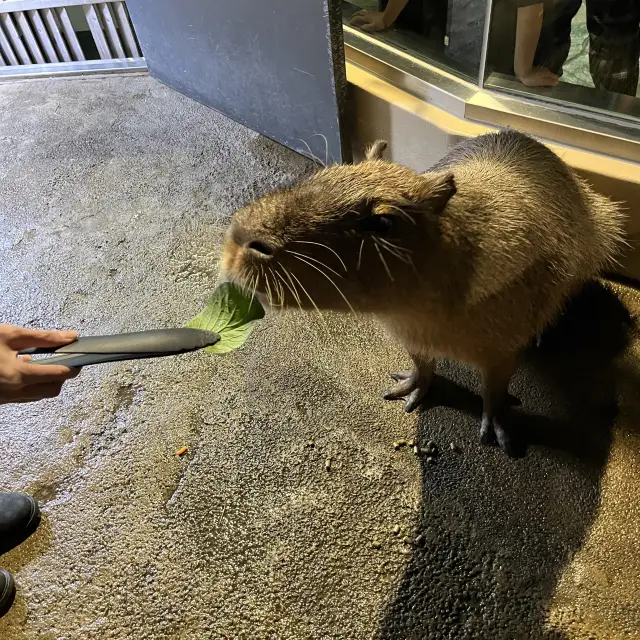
496	402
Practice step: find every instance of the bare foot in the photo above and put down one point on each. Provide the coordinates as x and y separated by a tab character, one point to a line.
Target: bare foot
539	77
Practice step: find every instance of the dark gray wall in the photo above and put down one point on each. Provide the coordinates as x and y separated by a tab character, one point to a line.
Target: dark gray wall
277	66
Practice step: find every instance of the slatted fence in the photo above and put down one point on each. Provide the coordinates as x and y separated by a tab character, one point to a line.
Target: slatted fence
38	38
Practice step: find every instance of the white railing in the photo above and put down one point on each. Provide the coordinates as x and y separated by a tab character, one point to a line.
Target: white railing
38	38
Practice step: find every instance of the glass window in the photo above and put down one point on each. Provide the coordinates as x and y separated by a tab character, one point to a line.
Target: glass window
567	51
447	33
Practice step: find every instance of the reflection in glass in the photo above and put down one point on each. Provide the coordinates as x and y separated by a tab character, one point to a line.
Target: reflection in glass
559	43
447	32
580	52
614	45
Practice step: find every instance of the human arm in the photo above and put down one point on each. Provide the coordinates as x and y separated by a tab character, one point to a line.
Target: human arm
21	381
378	20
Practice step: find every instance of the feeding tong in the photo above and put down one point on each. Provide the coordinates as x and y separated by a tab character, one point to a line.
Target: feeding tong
155	343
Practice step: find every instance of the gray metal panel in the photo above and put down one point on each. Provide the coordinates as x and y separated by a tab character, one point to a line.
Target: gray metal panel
277	66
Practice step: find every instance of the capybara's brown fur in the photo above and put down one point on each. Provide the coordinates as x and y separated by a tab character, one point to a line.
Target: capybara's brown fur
470	260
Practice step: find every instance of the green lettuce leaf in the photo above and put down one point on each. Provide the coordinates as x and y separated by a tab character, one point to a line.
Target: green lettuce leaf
230	312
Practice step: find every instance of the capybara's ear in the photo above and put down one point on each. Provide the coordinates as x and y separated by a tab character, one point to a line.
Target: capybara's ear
375	150
436	191
423	194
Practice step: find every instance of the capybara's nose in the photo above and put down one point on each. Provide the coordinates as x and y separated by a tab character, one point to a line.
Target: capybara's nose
260	248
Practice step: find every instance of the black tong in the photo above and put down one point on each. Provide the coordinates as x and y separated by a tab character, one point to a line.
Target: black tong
156	343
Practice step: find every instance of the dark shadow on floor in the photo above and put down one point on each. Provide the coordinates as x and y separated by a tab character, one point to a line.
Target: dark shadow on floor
498	532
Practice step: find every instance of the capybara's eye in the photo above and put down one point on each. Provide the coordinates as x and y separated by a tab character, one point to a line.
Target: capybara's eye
379	224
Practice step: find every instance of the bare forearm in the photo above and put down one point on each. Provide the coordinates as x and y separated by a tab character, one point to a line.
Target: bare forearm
528	28
393	10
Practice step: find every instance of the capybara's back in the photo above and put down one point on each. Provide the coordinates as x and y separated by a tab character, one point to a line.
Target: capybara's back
525	206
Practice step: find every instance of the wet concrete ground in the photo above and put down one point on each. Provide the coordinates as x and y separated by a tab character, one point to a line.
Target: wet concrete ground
114	194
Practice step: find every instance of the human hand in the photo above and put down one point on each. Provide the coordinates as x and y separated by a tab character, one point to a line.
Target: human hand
369	20
538	77
21	381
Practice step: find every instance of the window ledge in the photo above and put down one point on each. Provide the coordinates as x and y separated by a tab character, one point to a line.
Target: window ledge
463	107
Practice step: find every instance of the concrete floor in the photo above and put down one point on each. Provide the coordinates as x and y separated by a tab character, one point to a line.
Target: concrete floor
114	193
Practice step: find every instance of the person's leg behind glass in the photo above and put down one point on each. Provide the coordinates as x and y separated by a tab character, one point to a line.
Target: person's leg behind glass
555	38
614	44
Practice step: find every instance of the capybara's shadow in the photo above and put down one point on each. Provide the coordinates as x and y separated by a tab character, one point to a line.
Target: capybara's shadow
495	532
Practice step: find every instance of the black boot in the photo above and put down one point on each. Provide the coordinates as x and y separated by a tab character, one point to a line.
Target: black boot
19	518
7	591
